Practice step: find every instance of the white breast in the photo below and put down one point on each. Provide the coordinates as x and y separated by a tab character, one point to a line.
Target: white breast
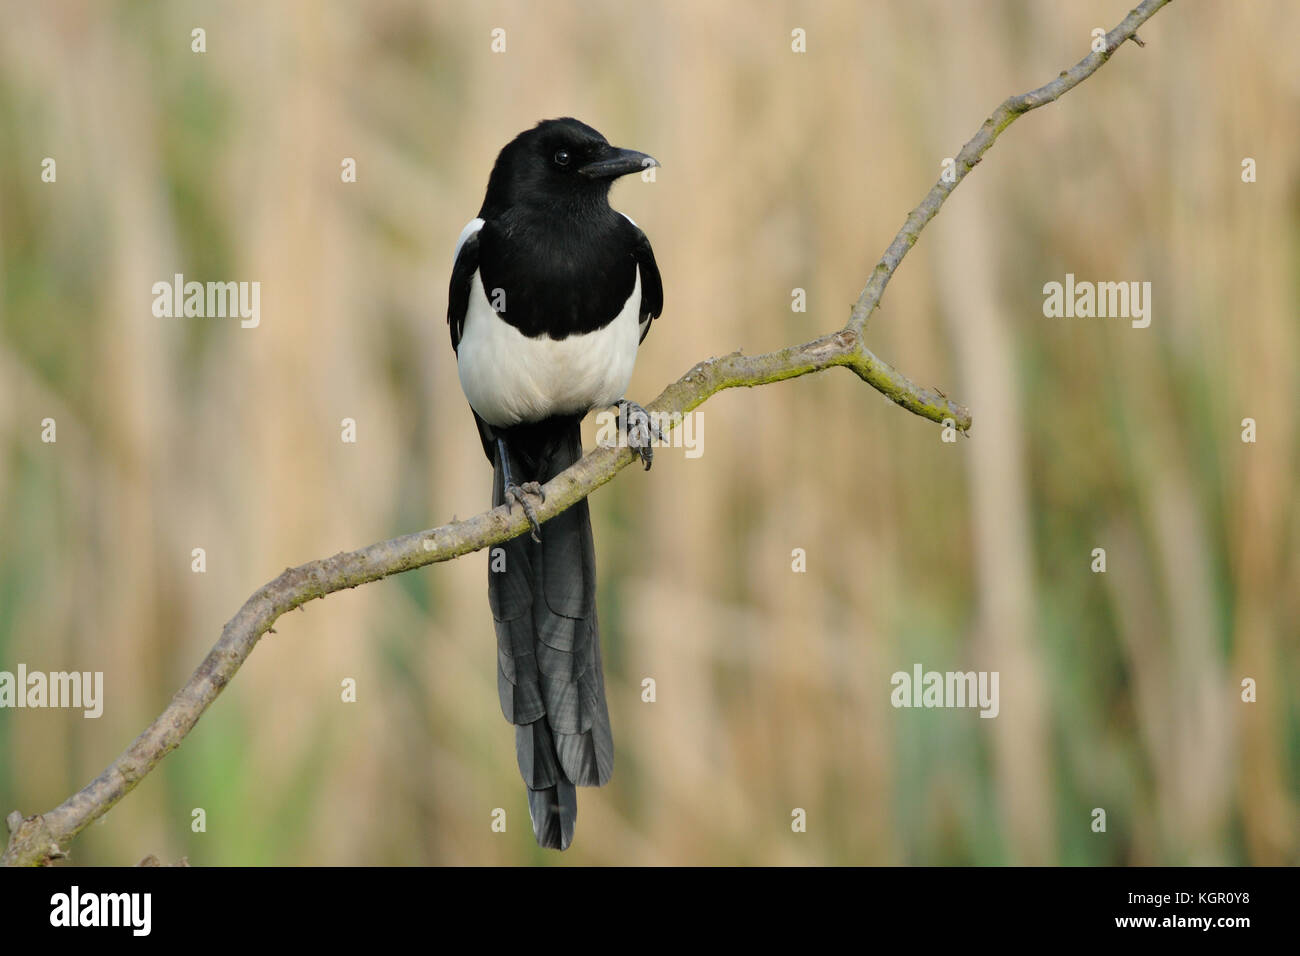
510	378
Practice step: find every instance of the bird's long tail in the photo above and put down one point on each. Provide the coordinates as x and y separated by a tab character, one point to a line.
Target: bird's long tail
543	597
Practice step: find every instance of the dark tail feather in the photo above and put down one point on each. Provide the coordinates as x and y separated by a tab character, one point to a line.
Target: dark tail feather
555	813
553	808
548	642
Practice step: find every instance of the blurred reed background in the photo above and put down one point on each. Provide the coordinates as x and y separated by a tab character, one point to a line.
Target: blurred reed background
780	170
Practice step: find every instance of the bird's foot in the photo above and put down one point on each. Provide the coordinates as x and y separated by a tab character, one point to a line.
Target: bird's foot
518	494
640	430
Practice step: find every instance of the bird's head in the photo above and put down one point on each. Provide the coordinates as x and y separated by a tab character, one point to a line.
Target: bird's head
559	161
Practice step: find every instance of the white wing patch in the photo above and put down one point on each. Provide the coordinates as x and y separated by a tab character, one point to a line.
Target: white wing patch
471	227
510	378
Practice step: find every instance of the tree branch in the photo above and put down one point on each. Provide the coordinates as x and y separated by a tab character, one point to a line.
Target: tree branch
1007	113
39	839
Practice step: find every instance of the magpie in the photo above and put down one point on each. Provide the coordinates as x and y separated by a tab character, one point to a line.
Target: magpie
552	292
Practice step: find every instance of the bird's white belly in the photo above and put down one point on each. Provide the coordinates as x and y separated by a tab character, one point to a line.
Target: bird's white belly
510	378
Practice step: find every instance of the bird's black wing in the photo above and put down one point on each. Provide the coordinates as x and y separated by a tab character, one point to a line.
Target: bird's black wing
652	286
462	276
462	279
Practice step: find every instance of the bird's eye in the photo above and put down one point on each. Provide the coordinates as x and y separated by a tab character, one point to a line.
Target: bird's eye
561	158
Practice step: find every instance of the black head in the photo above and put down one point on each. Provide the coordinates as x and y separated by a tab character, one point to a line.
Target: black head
557	162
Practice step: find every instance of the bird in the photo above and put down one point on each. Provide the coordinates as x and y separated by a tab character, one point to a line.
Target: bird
552	292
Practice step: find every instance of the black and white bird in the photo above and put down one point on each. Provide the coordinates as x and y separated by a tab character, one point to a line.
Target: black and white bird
551	294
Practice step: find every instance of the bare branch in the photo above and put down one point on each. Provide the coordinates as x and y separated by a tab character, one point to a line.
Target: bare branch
1012	108
39	839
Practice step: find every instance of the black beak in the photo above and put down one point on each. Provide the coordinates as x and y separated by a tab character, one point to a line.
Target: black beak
617	162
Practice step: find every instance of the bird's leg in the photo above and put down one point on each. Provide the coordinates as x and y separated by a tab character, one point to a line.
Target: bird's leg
518	494
640	429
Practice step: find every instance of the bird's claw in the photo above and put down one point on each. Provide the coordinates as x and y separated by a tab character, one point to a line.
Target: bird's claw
518	494
640	429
